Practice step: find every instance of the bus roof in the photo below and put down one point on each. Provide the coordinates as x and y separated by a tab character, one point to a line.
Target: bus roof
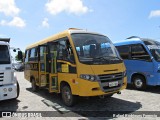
59	35
3	43
133	41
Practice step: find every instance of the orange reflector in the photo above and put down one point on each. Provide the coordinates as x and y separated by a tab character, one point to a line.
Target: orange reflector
73	81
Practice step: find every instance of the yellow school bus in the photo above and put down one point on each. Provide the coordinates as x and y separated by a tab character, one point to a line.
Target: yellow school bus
75	63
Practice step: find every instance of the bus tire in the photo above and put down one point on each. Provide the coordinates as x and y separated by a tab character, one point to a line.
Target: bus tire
139	82
18	90
34	86
67	97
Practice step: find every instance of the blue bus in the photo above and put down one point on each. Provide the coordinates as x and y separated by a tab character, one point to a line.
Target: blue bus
142	59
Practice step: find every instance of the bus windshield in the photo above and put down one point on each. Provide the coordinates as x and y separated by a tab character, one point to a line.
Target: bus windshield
95	49
155	51
154	48
4	55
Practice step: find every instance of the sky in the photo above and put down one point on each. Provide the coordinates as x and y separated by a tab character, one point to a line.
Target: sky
28	21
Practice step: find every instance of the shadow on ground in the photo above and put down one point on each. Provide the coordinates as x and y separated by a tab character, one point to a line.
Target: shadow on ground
9	105
89	107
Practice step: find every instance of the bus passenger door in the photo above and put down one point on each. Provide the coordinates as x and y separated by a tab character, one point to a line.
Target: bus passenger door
53	77
43	66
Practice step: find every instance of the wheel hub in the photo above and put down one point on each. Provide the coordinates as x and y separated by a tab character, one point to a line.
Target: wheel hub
138	83
68	96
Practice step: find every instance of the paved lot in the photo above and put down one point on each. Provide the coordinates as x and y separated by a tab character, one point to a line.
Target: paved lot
130	101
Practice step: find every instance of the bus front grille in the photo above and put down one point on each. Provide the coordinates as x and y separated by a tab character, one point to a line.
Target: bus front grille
111	82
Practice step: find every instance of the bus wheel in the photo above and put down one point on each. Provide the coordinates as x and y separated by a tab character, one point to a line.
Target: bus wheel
34	86
67	97
139	82
18	89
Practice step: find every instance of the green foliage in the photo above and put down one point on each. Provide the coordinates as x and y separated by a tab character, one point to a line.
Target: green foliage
16	57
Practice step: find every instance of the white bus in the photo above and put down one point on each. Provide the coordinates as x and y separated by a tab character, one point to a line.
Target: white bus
9	87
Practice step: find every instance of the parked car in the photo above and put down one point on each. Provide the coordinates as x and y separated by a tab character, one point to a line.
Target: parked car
18	67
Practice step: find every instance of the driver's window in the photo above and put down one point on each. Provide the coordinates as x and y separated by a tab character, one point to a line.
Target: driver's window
65	51
155	53
139	52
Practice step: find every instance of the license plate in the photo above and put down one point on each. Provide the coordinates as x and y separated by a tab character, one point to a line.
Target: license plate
112	84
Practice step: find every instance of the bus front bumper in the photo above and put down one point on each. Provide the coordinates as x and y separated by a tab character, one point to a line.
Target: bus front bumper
93	88
8	92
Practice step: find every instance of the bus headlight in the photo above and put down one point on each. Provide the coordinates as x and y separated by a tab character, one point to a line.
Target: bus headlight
10	89
4	89
88	77
92	78
124	74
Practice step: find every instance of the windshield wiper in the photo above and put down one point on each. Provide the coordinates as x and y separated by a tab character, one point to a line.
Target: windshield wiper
101	57
114	57
104	57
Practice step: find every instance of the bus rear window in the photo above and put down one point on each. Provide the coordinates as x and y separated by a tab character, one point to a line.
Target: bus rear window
4	55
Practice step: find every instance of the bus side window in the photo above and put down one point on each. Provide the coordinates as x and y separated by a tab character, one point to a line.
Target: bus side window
32	53
53	47
139	52
36	53
124	51
61	52
26	56
42	52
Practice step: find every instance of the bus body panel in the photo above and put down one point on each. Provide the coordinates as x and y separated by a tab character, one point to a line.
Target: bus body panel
6	94
8	80
86	88
72	80
141	67
7	74
83	87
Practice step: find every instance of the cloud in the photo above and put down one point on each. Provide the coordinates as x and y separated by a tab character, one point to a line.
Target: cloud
16	22
45	23
9	8
154	13
70	6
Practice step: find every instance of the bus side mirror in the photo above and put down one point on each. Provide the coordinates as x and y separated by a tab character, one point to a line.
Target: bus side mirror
152	58
14	50
20	56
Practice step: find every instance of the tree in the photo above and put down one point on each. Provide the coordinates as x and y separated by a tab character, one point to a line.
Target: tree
16	57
